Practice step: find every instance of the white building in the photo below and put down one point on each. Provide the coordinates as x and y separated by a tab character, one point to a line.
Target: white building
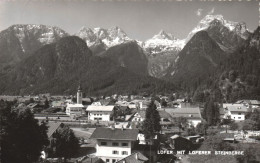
114	144
235	111
100	112
193	115
78	108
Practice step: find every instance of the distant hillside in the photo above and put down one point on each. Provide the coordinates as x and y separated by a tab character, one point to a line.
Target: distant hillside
203	67
129	55
197	61
59	67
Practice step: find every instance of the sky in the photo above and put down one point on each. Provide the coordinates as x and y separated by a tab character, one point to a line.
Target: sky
140	19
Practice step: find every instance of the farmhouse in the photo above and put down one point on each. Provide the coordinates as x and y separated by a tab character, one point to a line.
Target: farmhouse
235	111
114	144
192	114
100	112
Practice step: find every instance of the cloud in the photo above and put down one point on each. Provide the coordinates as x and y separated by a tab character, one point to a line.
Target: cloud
211	11
199	12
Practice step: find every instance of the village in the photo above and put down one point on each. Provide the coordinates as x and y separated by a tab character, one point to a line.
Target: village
109	129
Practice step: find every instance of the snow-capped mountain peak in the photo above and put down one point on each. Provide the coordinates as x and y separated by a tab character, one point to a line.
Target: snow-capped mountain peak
88	35
163	42
217	20
163	35
110	37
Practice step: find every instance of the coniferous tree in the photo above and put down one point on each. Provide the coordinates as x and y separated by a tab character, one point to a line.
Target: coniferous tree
211	112
22	137
151	124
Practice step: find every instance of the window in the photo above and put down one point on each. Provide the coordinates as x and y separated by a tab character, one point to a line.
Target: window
114	144
107	160
124	144
115	152
113	160
239	117
124	153
103	143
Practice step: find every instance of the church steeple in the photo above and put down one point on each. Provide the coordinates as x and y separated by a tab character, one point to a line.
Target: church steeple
79	95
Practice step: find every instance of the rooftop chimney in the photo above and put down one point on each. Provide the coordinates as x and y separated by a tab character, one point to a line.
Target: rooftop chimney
136	156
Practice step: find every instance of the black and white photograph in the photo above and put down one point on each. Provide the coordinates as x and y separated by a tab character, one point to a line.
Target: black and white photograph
129	81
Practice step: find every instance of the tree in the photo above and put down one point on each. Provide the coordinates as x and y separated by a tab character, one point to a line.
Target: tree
181	122
202	127
233	126
253	122
65	143
46	104
151	124
22	137
211	112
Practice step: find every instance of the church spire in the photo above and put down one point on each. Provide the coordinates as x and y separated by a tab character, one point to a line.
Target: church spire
79	95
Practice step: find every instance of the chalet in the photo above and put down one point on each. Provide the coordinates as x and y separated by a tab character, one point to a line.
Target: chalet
165	118
114	144
192	114
249	103
180	143
75	109
139	116
58	104
100	112
134	158
235	111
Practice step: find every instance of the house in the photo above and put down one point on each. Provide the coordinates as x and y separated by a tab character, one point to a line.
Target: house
100	112
75	109
58	104
192	114
139	116
53	127
180	143
249	103
134	158
235	111
114	144
165	118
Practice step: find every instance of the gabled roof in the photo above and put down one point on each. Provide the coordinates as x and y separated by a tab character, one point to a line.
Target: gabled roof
115	134
235	107
52	127
134	158
141	113
185	112
100	108
164	114
93	160
175	136
75	106
252	102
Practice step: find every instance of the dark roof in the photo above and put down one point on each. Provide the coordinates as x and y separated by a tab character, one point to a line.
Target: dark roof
190	113
164	114
52	127
141	113
93	160
115	134
134	158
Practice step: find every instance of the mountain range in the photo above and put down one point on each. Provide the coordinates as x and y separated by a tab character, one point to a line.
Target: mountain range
34	58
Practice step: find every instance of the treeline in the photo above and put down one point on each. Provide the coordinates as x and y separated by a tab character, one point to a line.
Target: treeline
236	78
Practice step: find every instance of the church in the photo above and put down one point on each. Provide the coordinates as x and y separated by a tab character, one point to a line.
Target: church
76	109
